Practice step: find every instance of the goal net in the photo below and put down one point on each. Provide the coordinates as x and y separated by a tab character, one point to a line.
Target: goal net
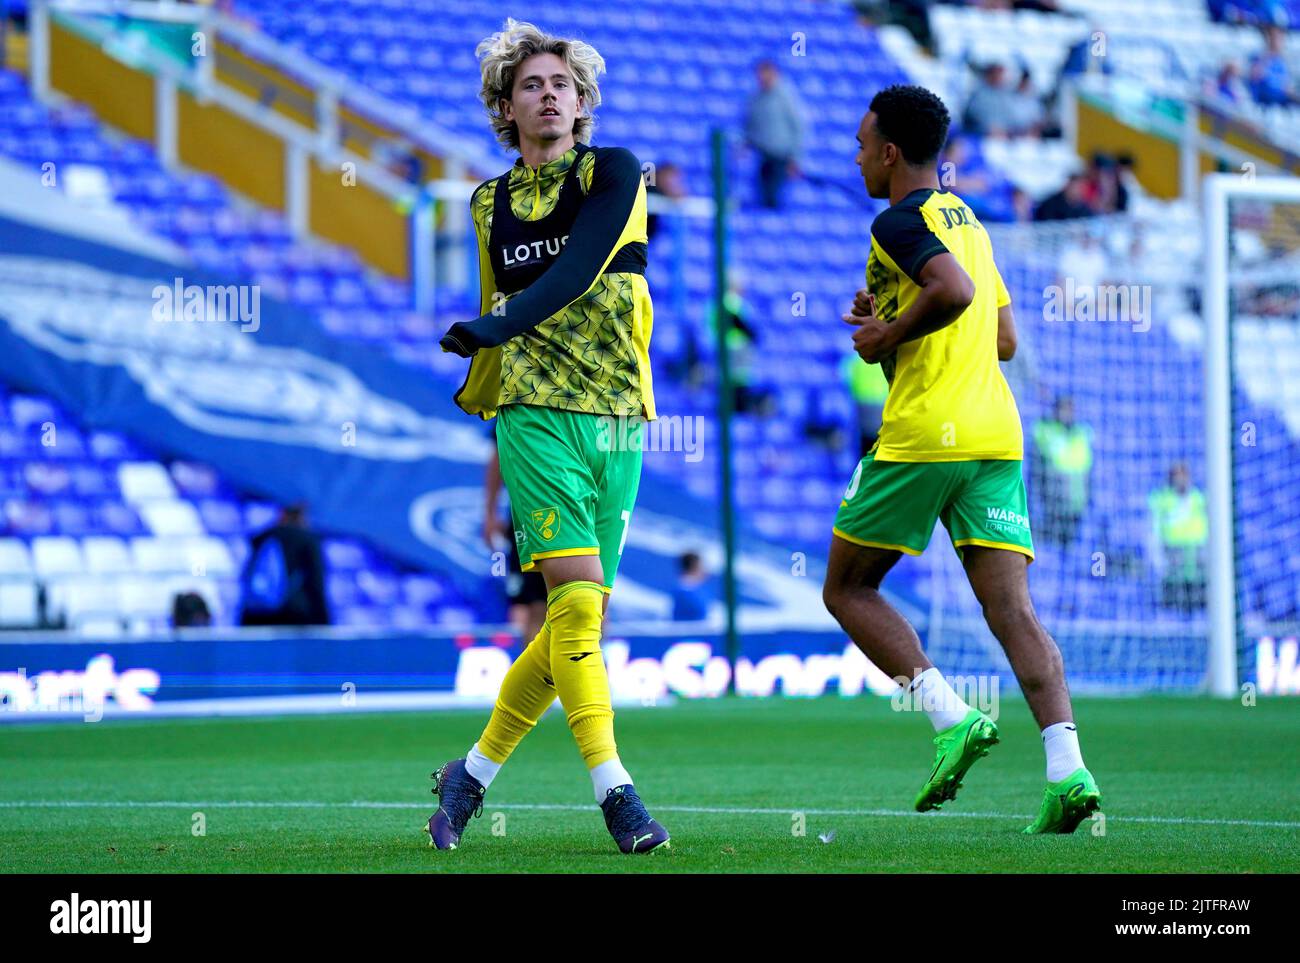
1252	307
1108	379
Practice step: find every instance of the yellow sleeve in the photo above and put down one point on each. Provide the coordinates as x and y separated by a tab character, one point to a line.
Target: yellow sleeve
480	209
1004	296
481	392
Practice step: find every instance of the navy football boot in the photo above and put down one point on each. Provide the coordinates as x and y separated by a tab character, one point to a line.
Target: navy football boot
460	796
629	823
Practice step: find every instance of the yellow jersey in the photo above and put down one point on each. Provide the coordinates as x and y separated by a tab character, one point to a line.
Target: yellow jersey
948	399
566	313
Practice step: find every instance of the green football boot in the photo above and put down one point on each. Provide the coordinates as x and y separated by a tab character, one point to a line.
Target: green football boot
1067	803
956	750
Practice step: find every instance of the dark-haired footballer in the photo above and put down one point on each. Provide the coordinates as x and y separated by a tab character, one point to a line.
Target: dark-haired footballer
562	346
937	316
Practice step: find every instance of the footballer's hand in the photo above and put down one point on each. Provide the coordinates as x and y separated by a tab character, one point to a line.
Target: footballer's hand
874	339
459	340
864	303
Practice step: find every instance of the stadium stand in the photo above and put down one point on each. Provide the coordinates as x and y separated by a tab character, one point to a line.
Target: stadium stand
100	535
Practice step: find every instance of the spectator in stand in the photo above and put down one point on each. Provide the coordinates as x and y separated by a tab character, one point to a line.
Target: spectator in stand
742	338
1068	203
1044	6
774	127
1062	470
1028	117
1126	171
1229	86
190	610
963	168
1179	530
1103	192
667	182
911	15
997	109
283	582
1270	77
690	598
1022	206
1087	55
992	107
1254	12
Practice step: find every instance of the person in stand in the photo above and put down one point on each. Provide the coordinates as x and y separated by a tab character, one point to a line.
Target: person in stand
1062	469
774	126
1180	527
283	581
690	598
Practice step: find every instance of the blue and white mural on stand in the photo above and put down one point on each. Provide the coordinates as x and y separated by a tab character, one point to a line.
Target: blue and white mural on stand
199	367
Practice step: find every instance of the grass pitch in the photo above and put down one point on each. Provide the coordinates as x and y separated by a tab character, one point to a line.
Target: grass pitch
1189	785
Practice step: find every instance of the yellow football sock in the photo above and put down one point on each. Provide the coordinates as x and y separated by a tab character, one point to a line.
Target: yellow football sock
526	692
574	612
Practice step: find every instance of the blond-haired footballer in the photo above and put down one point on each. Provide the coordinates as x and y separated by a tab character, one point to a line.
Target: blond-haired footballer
562	344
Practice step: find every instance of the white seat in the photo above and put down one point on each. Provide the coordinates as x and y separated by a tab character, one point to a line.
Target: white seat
27	410
160	556
56	555
168	516
15	558
18	603
106	555
87	185
209	555
143	480
141	598
81	595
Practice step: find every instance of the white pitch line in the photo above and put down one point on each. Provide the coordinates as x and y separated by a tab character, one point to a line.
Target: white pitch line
565	807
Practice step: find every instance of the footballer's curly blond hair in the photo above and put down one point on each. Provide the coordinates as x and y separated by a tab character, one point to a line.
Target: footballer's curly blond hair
503	52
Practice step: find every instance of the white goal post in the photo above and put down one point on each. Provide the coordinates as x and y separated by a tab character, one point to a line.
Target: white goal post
1220	190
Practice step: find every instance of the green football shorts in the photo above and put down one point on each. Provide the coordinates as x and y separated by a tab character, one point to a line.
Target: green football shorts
572	479
894	504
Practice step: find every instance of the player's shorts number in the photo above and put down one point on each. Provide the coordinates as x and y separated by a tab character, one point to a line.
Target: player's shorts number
853	483
627	517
